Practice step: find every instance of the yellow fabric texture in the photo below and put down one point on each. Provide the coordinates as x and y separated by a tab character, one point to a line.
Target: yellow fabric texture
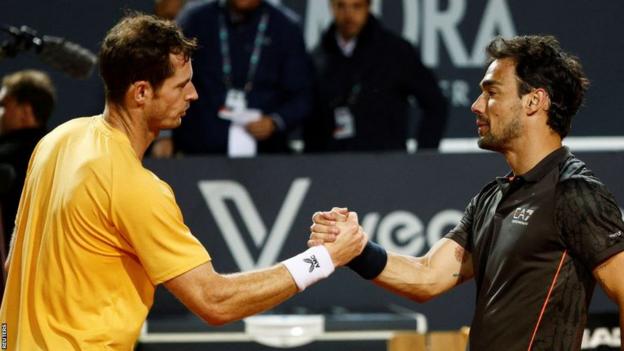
95	233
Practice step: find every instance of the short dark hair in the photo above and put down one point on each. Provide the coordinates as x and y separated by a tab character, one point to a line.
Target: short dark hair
137	48
34	88
541	63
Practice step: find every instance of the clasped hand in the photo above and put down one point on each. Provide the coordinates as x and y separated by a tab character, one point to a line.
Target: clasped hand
340	231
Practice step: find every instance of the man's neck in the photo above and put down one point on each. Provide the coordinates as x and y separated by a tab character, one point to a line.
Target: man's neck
522	157
132	125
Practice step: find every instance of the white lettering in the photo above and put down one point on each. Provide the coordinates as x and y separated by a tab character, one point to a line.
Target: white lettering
375	7
440	223
318	17
431	27
601	337
410	20
369	223
398	231
496	21
217	192
407	229
443	24
402	231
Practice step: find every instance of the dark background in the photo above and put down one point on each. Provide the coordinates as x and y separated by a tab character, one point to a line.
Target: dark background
422	185
590	29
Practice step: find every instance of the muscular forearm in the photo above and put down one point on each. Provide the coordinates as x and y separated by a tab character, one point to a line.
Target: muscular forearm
411	277
446	265
243	294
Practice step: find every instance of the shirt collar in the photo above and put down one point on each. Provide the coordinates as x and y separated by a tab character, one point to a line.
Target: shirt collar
540	170
346	46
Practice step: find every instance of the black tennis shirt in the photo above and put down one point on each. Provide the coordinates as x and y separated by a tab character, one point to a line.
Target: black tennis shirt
535	240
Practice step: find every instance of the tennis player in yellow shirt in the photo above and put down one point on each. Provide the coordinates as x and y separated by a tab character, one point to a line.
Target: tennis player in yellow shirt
96	232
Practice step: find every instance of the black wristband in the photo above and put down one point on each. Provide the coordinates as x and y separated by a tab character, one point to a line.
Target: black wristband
371	262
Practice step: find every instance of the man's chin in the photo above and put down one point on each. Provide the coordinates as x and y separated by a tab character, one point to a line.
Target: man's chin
486	144
491	145
174	124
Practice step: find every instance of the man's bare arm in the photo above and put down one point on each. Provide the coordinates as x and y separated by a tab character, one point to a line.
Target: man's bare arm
220	299
609	274
445	266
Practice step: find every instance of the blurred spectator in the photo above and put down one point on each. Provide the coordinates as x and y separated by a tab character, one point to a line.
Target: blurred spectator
253	77
168	9
26	103
365	76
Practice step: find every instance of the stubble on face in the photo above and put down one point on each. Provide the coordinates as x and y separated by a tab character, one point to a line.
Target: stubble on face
512	129
502	111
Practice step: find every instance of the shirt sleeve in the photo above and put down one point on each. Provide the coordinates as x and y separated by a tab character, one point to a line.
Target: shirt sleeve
589	220
462	233
148	217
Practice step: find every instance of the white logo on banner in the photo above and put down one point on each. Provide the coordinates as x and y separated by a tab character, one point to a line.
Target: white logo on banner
398	231
403	232
217	192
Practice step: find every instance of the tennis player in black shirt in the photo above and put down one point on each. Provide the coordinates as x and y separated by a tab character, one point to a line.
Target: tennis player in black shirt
535	241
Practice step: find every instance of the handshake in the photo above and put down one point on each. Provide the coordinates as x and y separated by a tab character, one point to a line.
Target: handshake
336	239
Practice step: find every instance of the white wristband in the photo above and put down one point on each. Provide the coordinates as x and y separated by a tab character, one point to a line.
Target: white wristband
310	266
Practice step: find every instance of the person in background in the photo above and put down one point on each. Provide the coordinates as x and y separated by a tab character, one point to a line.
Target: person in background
26	103
365	77
253	76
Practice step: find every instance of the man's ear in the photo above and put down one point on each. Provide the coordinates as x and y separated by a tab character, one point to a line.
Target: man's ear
141	91
537	100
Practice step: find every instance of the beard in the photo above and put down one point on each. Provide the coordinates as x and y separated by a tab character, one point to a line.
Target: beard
499	142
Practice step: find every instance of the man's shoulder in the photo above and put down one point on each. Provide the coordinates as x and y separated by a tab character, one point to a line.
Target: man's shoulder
573	169
486	192
72	126
577	180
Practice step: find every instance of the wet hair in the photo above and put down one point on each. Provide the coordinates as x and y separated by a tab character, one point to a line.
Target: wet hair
34	88
541	63
138	48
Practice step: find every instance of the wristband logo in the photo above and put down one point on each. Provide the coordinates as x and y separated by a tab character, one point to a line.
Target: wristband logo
313	262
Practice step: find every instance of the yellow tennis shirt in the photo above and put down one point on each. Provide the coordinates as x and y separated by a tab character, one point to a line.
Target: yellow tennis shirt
95	233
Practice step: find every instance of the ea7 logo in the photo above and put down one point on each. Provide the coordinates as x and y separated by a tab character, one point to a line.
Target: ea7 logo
522	215
217	192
